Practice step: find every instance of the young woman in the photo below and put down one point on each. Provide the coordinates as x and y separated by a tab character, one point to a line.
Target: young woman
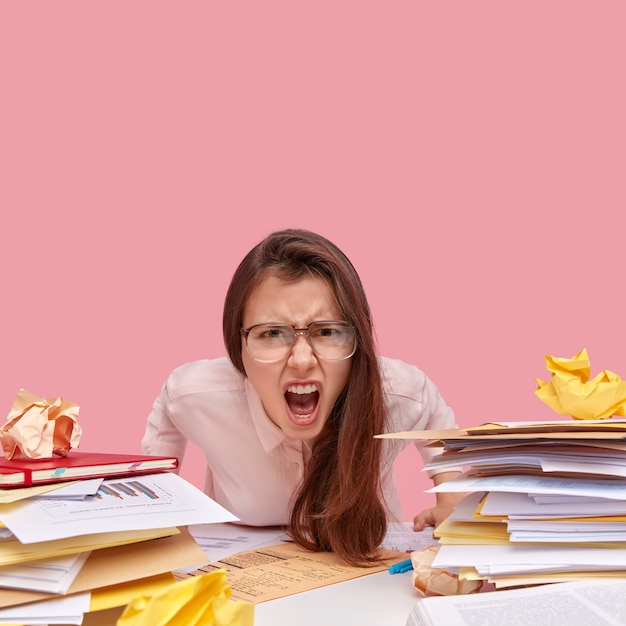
287	421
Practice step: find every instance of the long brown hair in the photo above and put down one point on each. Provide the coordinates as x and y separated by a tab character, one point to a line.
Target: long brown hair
339	506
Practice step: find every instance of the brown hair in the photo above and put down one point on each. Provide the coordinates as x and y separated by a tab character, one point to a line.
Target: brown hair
339	506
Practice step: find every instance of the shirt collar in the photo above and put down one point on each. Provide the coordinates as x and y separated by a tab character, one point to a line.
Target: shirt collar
269	434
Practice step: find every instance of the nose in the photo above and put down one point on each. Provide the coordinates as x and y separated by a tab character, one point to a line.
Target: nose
302	354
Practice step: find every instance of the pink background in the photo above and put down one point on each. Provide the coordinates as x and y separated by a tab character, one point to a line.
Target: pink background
468	156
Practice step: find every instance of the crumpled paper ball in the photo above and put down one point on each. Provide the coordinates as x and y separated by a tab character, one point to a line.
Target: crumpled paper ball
432	581
38	428
570	392
202	600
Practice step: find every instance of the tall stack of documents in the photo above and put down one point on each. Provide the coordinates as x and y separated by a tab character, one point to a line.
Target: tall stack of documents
83	546
546	501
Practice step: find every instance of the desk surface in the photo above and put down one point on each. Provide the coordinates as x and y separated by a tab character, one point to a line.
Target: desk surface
380	599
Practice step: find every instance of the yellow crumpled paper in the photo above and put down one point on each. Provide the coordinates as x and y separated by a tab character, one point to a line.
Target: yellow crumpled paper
432	581
202	600
570	392
38	428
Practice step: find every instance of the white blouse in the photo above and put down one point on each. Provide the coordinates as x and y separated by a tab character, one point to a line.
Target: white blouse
253	469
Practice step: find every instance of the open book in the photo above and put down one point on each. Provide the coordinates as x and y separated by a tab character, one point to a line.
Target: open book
586	601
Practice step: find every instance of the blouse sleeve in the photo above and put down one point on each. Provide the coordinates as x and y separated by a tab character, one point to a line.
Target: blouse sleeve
161	436
439	416
414	403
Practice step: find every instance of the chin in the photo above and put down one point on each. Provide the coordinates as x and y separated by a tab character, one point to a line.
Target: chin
305	433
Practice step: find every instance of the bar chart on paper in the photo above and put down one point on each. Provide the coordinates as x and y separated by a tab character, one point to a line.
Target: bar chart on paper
155	501
129	489
122	495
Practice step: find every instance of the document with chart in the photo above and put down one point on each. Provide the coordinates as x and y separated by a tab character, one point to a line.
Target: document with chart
152	501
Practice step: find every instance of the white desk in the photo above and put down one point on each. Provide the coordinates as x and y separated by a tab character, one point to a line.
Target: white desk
380	599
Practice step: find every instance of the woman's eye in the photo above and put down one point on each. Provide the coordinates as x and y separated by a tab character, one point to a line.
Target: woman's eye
273	333
328	332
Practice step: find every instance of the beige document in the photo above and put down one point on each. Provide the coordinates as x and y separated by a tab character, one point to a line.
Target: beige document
282	570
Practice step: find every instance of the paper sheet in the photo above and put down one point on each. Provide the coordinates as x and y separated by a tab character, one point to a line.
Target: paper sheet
534	555
277	571
64	610
153	500
53	575
534	484
521	505
402	538
23	493
222	539
600	603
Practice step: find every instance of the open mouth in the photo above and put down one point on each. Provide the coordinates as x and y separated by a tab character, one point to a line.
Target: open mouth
302	400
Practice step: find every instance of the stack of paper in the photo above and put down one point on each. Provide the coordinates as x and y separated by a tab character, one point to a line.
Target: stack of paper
104	539
546	500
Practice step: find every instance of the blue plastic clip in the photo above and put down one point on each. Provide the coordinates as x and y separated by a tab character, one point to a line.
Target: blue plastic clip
400	568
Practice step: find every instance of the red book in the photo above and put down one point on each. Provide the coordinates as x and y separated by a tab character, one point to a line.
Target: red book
78	465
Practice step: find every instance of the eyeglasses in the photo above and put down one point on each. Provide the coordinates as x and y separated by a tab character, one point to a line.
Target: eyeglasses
268	343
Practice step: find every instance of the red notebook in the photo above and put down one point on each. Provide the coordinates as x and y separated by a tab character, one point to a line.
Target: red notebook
77	465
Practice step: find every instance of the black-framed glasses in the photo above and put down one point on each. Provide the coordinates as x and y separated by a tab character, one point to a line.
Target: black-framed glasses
330	340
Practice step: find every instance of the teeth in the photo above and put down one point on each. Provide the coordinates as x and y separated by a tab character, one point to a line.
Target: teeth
301	389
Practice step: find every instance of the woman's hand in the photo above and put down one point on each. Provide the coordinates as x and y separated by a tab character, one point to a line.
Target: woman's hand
444	507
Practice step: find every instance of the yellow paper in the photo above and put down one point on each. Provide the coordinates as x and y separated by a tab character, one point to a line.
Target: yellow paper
15	494
459	532
14	551
570	392
199	600
123	593
38	428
